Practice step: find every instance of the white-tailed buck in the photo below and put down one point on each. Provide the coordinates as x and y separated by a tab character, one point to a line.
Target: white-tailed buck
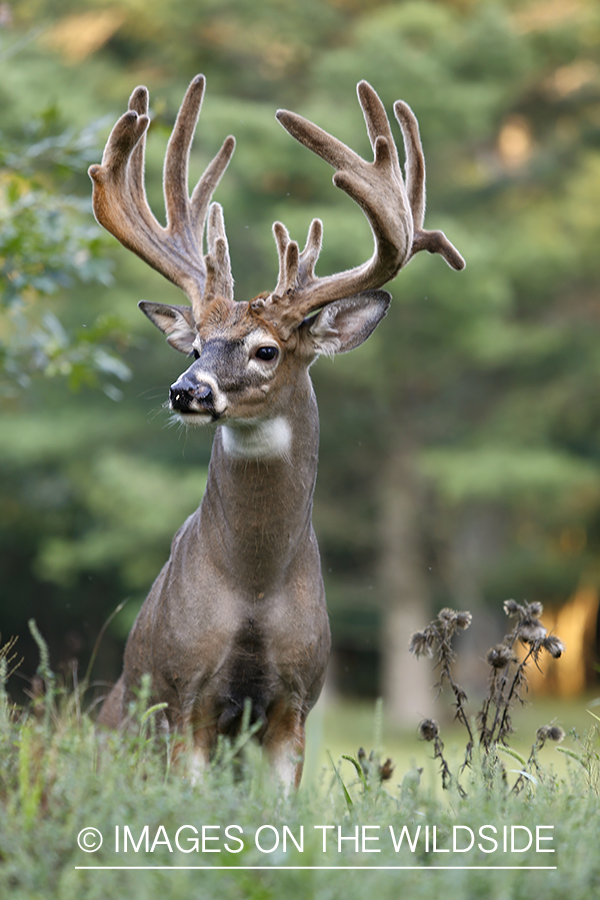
238	611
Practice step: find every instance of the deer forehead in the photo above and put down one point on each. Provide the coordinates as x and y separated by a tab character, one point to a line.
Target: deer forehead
235	323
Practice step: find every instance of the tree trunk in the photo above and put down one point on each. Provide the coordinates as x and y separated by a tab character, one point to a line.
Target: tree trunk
406	682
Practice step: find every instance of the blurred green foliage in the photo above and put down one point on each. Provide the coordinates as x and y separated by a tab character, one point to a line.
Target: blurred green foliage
486	381
47	246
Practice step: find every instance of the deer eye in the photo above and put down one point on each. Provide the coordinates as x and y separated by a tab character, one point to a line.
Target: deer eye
267	354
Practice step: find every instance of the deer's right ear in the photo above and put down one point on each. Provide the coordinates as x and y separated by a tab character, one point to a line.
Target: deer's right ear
177	322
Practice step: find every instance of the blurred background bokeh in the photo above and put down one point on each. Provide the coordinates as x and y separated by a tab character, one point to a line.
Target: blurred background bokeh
460	451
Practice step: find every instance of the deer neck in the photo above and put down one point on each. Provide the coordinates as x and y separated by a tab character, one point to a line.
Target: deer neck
256	511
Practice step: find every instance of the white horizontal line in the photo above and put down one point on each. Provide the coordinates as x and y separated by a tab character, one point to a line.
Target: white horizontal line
329	868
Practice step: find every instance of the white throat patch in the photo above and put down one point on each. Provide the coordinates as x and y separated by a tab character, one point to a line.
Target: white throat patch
267	439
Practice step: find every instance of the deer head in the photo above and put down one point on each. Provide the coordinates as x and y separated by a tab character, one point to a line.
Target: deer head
304	315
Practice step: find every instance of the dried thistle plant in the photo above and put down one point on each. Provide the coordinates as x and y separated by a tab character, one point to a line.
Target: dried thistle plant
371	765
429	731
436	639
546	733
507	681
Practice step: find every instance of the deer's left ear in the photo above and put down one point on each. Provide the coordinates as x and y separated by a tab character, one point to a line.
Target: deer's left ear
345	324
177	322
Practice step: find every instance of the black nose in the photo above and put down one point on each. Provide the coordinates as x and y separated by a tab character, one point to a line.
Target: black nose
187	395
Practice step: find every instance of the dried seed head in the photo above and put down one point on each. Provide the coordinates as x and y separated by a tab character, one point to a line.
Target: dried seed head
447	615
463	620
549	733
451	619
500	656
541	734
428	730
531	630
511	607
534	609
553	645
386	770
420	644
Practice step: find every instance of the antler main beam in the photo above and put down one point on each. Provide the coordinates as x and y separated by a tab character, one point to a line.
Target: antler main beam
120	203
395	211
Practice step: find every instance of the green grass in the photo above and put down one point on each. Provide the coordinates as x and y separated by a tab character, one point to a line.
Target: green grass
57	777
342	726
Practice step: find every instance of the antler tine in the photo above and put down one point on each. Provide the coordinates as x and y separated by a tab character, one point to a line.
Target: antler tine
378	188
121	206
312	249
433	241
282	239
207	184
175	173
219	282
296	269
415	160
138	102
377	122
